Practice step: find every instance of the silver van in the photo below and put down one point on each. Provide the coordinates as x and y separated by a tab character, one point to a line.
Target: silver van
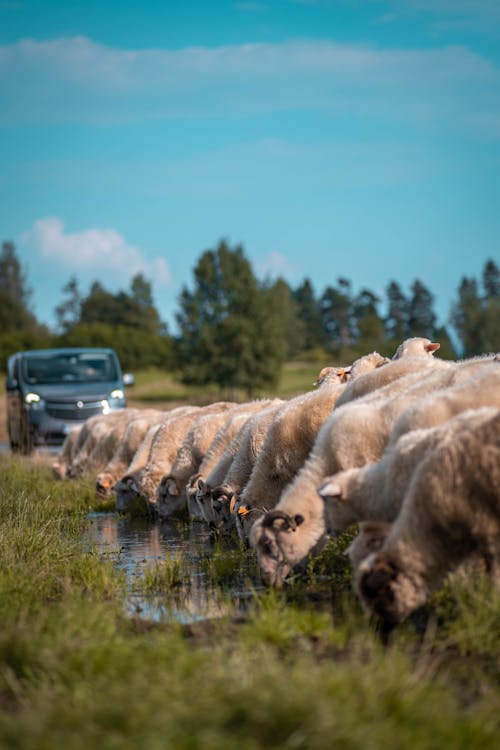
52	391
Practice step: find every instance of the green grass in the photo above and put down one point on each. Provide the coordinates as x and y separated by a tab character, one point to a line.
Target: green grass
299	668
154	387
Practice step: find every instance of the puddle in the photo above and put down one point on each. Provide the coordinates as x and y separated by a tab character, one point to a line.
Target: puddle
134	544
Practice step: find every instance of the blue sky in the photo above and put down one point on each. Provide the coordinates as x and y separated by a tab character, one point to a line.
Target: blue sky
355	138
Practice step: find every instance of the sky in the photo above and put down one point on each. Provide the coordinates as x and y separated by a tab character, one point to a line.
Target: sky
329	138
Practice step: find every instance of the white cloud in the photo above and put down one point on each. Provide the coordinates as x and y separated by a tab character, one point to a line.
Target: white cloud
100	253
76	79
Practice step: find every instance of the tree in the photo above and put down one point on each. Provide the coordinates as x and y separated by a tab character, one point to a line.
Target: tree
19	328
15	313
286	312
337	314
370	332
69	312
475	316
230	334
309	312
466	317
396	322
421	317
491	280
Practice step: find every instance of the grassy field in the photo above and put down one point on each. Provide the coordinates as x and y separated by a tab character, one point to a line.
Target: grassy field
298	668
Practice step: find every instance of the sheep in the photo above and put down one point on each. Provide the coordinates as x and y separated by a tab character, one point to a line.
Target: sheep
94	430
375	492
481	390
126	487
131	440
66	454
370	538
248	444
389	378
142	484
451	511
353	435
196	487
289	441
171	494
416	346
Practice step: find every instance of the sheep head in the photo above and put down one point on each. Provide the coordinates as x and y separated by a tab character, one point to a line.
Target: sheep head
127	492
221	498
367	363
387	590
104	483
416	347
333	375
169	497
273	538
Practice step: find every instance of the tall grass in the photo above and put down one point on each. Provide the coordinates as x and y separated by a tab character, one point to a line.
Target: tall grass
292	672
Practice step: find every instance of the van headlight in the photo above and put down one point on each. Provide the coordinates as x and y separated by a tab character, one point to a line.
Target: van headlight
34	401
117	393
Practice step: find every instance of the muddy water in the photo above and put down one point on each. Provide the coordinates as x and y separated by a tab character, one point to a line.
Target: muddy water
134	544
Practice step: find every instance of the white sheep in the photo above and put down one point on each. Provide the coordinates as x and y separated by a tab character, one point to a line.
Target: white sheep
416	347
129	443
375	492
171	491
126	487
142	484
92	432
389	378
66	454
196	486
289	441
482	389
353	435
451	511
248	444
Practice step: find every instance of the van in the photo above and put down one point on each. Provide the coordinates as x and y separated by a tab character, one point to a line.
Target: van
52	391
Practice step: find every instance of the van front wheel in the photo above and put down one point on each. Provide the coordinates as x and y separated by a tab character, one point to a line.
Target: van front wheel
27	440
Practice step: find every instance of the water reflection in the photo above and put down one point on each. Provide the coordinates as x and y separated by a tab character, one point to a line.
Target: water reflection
135	543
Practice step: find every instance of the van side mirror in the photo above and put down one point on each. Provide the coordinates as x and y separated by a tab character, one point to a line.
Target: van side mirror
11	384
128	379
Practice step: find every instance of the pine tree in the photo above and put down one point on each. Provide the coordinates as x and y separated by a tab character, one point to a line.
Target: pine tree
337	314
68	313
396	322
476	316
421	318
15	312
466	317
286	311
309	312
370	332
491	280
230	333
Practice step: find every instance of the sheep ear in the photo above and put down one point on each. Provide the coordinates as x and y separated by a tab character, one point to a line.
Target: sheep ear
299	519
330	489
432	347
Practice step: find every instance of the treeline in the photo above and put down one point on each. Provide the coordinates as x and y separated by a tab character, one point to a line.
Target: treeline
236	330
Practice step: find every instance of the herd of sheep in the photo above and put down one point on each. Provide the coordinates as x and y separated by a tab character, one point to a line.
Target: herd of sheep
408	448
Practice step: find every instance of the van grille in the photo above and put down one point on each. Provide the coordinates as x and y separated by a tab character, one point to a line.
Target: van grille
70	411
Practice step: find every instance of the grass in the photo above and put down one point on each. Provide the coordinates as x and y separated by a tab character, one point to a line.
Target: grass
154	387
299	668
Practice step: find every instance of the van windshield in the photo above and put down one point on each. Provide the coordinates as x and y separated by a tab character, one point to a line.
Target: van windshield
73	367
